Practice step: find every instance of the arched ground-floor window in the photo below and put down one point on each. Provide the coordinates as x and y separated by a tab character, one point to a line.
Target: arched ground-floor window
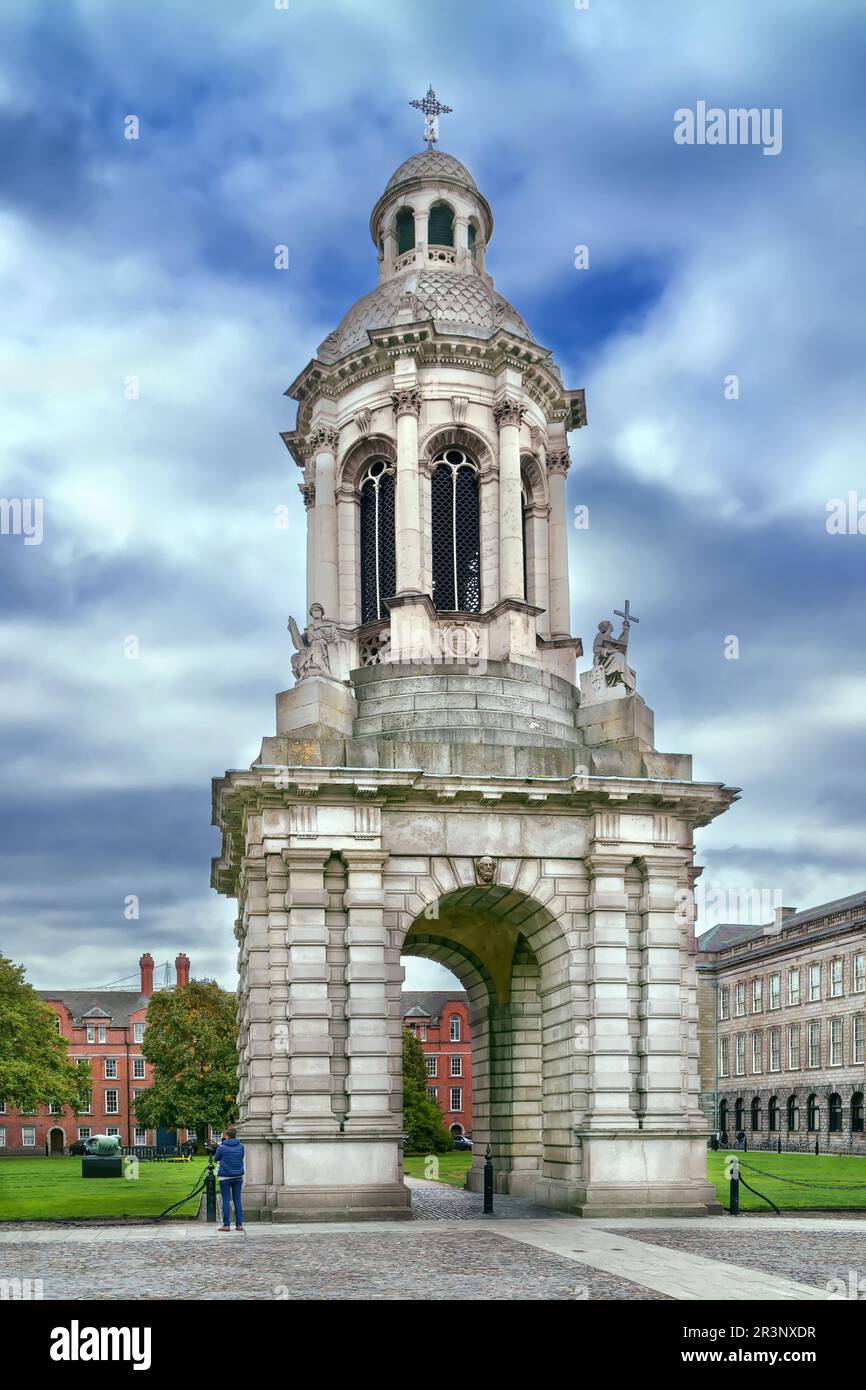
738	1114
756	1113
834	1113
813	1114
773	1114
793	1113
857	1113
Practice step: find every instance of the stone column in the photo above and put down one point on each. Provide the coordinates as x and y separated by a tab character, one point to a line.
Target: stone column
508	413
257	1041
309	1083
407	407
662	1098
324	443
560	605
308	492
611	1080
373	1082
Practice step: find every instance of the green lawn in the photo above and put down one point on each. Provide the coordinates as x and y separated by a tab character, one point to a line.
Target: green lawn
786	1194
453	1167
52	1189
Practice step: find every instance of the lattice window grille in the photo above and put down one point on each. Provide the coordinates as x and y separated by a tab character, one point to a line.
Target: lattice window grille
378	548
456	533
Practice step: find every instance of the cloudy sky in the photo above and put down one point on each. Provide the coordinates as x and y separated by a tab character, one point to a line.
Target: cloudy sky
146	339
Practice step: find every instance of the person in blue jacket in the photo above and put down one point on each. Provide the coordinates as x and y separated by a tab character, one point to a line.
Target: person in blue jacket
230	1157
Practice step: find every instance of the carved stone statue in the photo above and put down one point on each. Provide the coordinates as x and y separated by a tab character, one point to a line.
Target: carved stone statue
609	665
485	869
311	657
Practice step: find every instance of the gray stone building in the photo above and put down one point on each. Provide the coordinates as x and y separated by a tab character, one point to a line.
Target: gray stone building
781	1027
439	784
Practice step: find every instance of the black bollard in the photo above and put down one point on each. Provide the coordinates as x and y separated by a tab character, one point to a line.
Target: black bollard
779	1145
735	1186
210	1191
488	1182
816	1148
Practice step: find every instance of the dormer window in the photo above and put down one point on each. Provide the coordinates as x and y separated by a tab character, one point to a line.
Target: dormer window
405	231
440	225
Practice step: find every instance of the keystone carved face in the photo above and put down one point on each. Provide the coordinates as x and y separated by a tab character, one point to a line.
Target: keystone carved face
485	869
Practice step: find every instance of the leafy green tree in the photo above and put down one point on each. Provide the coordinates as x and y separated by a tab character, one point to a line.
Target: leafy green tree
34	1067
422	1119
191	1041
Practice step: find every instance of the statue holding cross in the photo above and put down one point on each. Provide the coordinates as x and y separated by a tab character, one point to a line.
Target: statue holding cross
610	667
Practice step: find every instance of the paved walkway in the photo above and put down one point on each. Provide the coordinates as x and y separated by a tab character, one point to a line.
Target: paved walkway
515	1255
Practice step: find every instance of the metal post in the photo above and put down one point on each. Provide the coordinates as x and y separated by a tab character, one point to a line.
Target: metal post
488	1182
210	1191
779	1145
735	1186
816	1148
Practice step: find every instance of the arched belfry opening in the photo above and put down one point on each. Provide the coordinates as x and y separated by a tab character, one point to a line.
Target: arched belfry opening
440	783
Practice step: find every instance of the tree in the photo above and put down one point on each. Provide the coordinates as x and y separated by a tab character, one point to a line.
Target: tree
422	1119
191	1041
34	1067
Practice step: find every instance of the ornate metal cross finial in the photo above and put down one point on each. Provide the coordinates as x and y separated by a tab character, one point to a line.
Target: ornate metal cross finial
432	109
618	613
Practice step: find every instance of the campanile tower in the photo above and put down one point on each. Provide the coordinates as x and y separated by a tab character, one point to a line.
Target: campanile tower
439	785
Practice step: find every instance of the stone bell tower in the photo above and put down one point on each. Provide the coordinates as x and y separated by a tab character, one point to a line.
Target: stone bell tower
438	785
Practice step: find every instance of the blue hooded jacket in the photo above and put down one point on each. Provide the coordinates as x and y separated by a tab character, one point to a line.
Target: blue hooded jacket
230	1157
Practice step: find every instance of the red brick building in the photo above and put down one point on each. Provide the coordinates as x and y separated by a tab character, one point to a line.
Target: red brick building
105	1029
440	1022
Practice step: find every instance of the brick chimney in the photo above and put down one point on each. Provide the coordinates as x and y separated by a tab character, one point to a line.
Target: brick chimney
181	965
782	913
145	964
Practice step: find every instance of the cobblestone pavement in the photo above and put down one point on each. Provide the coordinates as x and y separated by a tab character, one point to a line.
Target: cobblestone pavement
471	1257
436	1201
810	1257
401	1263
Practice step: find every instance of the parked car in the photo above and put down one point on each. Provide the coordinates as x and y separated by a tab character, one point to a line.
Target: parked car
463	1143
78	1148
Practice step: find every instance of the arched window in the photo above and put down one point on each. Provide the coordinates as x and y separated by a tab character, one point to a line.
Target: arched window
738	1114
378	549
857	1113
405	230
440	225
524	513
834	1113
793	1113
472	238
773	1114
723	1116
455	533
756	1113
813	1114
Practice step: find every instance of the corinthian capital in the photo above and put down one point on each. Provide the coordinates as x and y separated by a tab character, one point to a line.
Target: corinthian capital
323	437
508	411
308	492
406	401
558	461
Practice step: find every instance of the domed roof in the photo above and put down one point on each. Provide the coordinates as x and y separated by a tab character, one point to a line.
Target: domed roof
431	164
458	303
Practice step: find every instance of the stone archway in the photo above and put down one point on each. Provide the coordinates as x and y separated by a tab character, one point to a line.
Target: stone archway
512	958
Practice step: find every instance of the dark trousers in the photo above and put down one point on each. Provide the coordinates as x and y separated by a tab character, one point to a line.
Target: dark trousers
230	1191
